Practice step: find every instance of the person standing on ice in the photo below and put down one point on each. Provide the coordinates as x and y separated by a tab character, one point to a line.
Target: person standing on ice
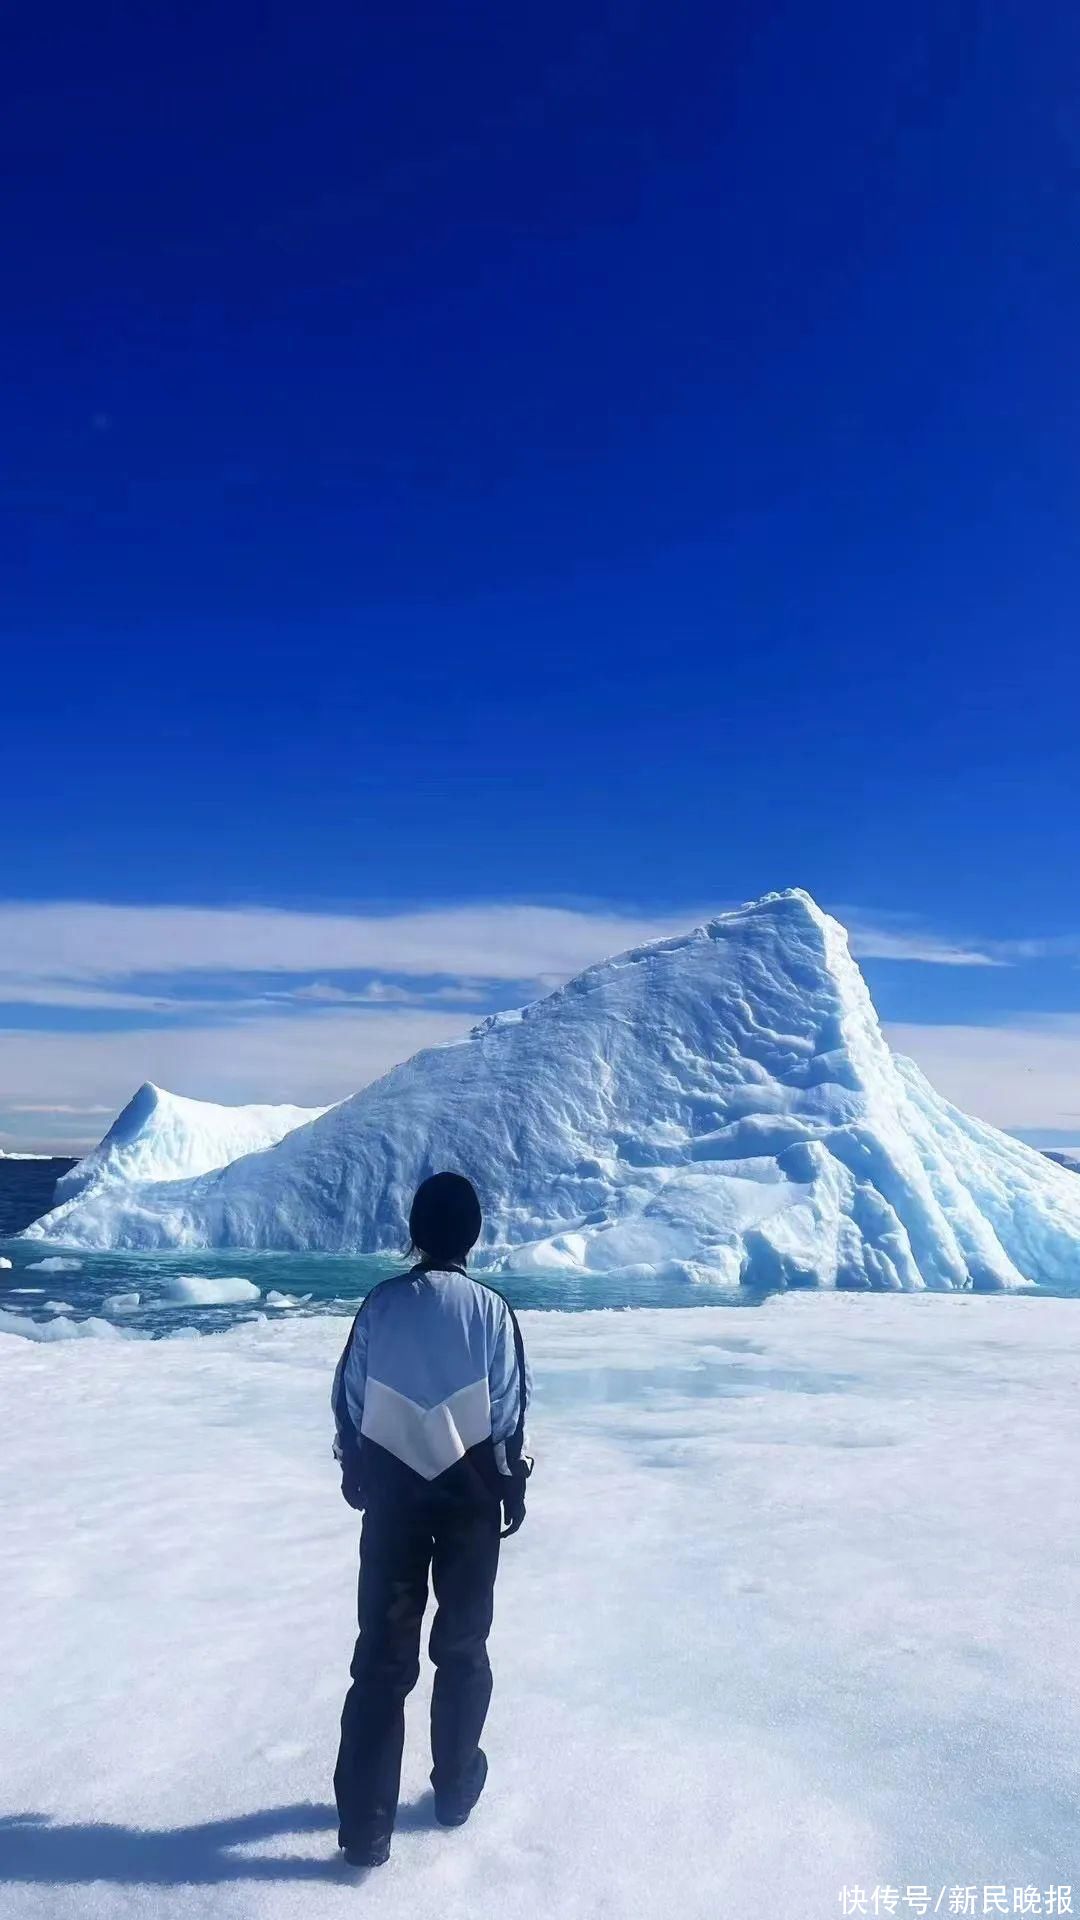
429	1404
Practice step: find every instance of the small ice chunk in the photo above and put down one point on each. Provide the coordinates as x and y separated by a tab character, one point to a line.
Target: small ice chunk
57	1306
211	1290
54	1264
276	1299
121	1302
61	1328
6	1264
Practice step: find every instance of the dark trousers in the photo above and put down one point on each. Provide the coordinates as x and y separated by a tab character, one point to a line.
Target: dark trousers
460	1544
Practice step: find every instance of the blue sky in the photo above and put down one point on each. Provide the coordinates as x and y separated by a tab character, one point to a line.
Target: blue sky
599	459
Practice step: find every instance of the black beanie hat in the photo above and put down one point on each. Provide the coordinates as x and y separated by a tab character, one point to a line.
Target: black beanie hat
445	1218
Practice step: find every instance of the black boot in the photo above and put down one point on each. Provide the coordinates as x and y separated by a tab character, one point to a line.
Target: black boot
453	1809
370	1853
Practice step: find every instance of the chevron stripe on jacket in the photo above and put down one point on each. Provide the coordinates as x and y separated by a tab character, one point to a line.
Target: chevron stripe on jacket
431	1391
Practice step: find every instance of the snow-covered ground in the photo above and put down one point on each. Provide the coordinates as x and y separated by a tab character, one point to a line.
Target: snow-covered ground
793	1611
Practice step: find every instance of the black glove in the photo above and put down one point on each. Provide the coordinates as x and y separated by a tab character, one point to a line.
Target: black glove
513	1505
352	1479
350	1492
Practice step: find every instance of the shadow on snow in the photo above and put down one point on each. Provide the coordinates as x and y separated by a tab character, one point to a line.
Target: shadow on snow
33	1848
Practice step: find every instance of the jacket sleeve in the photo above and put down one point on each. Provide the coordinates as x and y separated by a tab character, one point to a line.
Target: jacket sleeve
347	1399
509	1388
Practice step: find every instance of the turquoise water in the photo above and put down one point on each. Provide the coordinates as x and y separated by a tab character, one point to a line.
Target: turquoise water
312	1283
335	1284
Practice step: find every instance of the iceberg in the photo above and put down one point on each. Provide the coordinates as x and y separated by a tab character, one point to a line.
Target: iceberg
211	1290
721	1106
166	1136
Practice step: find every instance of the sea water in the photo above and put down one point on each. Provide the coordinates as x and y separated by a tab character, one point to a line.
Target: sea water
47	1282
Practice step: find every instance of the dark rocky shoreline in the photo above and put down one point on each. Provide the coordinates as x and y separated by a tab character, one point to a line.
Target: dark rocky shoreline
26	1191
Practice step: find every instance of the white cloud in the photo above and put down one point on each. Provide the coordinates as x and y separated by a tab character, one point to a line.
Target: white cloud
306	1061
83	954
1014	1076
381	993
36	1106
890	937
86	941
64	996
20	991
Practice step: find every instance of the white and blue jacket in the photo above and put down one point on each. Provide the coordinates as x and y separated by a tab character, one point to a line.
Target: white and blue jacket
431	1392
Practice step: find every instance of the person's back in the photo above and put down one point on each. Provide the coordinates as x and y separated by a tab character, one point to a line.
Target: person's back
429	1402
